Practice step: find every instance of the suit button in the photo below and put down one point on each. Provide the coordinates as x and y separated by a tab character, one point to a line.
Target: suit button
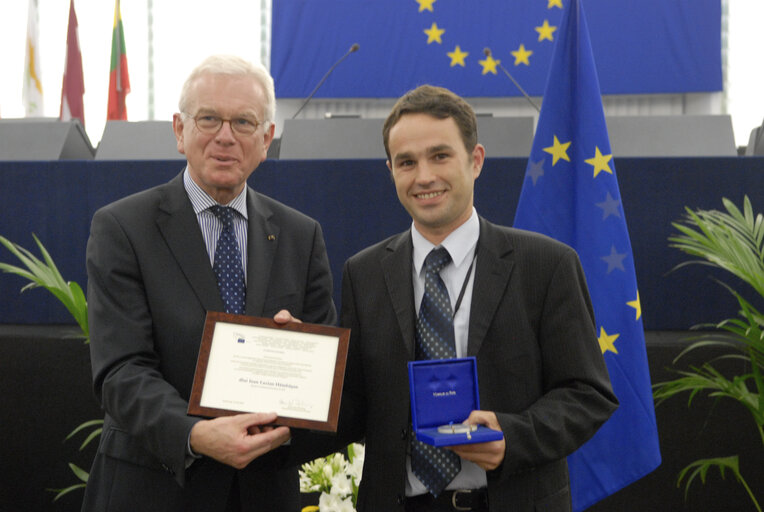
400	500
404	433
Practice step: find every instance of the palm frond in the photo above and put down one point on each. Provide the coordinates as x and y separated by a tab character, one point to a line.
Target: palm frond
700	468
732	241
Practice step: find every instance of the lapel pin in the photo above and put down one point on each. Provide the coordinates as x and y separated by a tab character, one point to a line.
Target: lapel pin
271	238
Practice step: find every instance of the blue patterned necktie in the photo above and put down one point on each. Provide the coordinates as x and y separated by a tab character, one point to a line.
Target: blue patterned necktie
434	467
227	266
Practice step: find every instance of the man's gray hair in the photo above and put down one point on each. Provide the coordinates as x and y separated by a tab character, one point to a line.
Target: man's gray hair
235	66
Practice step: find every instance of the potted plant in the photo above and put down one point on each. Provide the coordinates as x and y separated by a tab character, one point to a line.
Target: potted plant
732	241
44	274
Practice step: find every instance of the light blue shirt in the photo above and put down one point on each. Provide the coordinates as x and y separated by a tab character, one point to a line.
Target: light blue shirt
461	245
210	225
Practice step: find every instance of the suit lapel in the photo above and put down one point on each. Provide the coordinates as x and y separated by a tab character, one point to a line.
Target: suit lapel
396	265
180	229
494	266
262	240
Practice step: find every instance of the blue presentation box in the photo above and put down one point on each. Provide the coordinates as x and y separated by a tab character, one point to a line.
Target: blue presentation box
443	393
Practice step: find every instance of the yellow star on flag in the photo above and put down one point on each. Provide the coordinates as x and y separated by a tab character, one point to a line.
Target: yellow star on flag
457	56
558	150
600	162
425	5
554	3
545	31
607	341
521	55
489	64
434	33
636	305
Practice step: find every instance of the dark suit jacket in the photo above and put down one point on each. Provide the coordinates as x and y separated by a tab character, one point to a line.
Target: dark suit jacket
540	368
150	284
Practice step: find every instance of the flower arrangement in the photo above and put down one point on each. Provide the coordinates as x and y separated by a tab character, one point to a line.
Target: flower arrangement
337	479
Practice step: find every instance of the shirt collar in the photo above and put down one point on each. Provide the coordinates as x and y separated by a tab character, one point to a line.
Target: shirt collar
201	200
460	243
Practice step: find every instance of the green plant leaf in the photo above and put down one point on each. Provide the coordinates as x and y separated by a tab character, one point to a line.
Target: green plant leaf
79	472
95	433
83	426
65	491
700	468
732	241
44	274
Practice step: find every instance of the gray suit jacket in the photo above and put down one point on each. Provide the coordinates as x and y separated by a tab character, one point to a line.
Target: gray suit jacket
540	368
150	284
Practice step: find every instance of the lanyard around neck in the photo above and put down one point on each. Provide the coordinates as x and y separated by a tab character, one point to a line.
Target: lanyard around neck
464	284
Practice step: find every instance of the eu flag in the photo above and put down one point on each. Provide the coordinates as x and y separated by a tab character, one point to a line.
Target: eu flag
571	193
649	46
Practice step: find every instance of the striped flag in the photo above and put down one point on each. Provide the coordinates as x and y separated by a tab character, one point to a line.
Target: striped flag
571	193
119	80
32	90
73	86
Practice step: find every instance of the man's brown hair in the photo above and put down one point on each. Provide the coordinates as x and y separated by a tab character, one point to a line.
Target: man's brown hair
439	103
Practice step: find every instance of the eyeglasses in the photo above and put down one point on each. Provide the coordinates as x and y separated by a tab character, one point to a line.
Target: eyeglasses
210	124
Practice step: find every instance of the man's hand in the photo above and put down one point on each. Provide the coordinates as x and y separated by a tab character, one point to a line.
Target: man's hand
284	317
237	440
486	455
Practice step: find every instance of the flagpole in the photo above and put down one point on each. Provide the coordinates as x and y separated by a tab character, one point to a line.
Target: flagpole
150	23
265	33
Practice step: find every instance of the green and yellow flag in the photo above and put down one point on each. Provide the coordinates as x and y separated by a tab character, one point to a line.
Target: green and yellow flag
119	80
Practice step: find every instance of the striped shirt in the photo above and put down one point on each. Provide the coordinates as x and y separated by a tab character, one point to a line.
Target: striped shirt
210	225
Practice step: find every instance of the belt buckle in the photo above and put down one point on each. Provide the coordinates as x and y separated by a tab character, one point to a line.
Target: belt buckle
453	499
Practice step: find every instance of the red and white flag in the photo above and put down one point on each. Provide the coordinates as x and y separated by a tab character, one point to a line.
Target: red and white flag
73	86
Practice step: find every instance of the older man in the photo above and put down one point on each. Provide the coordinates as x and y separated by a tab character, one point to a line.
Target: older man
157	261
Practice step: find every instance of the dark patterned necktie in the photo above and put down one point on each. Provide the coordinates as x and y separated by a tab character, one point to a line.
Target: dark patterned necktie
434	467
227	266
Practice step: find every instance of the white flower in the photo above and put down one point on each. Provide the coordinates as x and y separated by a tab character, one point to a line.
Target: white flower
346	505
336	478
333	503
355	468
342	485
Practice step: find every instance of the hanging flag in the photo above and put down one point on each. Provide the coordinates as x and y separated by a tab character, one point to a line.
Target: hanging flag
570	193
119	80
73	86
32	90
642	47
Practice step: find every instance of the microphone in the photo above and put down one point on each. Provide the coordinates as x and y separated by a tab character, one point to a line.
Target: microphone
352	49
487	53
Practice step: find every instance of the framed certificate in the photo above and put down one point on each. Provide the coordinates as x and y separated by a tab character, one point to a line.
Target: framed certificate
251	364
